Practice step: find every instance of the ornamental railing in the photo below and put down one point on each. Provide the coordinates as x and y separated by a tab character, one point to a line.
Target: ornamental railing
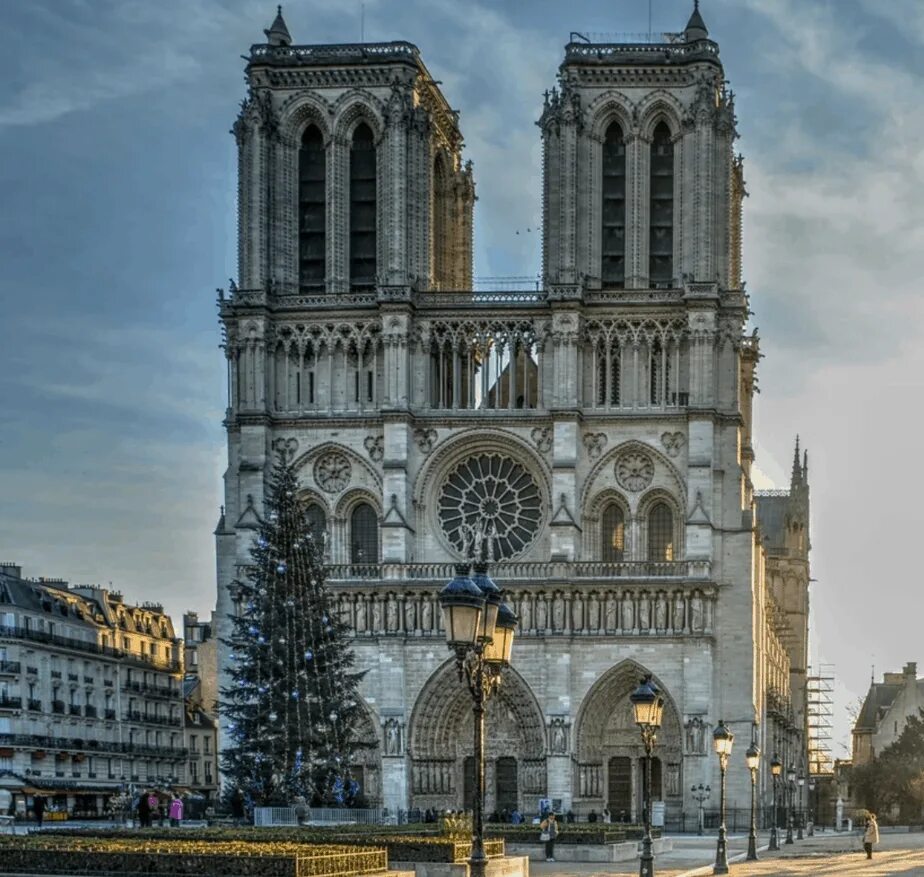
42	743
521	572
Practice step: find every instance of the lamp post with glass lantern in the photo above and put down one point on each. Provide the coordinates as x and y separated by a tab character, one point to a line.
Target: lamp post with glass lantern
479	629
722	740
800	811
648	706
790	785
701	794
752	757
814	811
776	769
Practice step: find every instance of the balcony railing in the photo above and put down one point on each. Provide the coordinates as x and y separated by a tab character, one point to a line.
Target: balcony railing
58	707
73	677
90	711
10	668
78	744
66	642
35	706
110	715
10	703
521	572
32	671
75	709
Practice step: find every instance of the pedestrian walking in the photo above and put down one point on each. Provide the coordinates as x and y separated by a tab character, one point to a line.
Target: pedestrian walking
144	810
871	835
548	832
38	808
238	813
176	812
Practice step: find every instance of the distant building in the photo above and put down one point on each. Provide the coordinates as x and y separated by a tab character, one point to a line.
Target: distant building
91	696
885	712
200	692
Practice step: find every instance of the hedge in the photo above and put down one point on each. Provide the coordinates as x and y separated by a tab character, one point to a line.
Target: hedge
180	857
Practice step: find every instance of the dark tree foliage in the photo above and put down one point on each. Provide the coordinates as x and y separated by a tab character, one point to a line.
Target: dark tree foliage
895	778
292	707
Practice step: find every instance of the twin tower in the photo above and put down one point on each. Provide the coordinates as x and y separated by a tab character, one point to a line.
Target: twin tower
352	177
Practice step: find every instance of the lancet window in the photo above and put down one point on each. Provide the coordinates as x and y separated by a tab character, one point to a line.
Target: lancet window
364	534
608	374
362	207
613	534
661	237
317	519
660	533
613	237
312	216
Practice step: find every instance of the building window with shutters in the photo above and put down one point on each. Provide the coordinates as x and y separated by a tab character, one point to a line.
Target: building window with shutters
362	208
661	237
312	212
613	237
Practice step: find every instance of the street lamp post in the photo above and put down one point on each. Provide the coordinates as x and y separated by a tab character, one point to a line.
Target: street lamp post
800	812
813	813
790	785
479	629
722	740
776	768
701	794
752	757
648	706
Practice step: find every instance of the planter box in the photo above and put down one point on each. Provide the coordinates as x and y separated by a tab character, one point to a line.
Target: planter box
626	851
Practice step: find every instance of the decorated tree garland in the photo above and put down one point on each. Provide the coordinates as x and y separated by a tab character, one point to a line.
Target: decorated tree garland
292	706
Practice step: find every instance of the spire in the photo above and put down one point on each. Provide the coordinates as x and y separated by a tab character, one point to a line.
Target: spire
278	34
696	28
796	467
805	467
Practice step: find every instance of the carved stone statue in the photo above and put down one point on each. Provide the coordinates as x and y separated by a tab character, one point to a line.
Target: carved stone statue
612	612
679	612
558	737
361	614
696	613
644	613
526	612
392	737
410	614
391	613
661	612
558	612
577	612
426	615
542	613
673	779
628	612
593	613
376	615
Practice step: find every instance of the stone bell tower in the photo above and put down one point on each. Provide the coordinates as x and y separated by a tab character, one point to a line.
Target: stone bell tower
351	173
641	187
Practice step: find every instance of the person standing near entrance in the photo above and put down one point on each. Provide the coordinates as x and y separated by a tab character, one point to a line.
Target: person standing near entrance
549	831
871	835
176	812
38	808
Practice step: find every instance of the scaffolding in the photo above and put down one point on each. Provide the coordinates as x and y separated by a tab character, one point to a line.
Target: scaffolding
820	715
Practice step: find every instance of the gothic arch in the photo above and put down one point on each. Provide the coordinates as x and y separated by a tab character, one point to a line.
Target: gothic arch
672	476
354	107
600	712
646	504
608	108
353	497
440	739
362	471
302	110
593	546
659	106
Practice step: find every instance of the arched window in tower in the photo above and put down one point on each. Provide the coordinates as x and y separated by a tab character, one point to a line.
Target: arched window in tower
364	534
613	240
441	224
660	533
613	534
312	218
659	373
608	374
661	239
362	207
316	519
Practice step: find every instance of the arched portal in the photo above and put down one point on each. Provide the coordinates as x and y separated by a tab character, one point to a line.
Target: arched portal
441	745
610	755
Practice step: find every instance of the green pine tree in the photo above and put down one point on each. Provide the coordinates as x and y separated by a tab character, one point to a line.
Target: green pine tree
292	708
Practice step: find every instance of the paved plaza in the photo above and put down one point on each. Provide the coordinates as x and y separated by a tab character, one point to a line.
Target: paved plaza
828	855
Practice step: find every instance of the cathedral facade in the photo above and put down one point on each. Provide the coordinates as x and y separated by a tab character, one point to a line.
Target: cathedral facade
600	426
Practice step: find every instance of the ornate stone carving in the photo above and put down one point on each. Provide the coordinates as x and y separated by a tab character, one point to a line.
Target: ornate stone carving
426	439
285	448
375	447
694	736
542	437
558	736
332	471
673	442
496	491
594	442
394	737
634	470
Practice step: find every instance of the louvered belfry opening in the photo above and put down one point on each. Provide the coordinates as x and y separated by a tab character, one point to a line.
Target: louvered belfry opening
362	207
613	239
661	240
312	210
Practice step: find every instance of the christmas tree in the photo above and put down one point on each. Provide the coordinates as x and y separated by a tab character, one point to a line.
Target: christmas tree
292	708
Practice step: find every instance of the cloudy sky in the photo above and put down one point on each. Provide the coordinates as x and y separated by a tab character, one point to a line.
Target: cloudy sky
117	223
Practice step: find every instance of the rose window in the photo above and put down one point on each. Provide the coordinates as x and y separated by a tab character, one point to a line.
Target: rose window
490	497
